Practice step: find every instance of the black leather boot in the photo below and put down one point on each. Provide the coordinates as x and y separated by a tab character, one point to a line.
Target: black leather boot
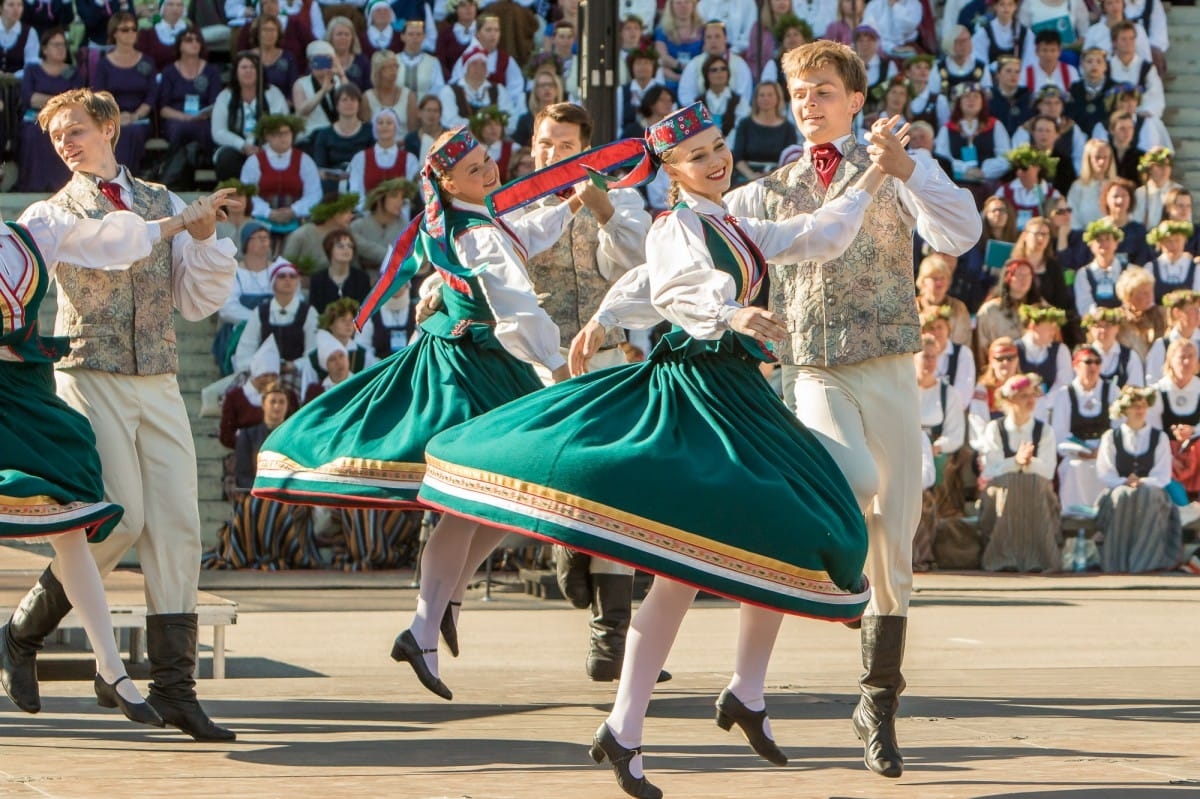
611	612
571	569
881	684
36	617
171	643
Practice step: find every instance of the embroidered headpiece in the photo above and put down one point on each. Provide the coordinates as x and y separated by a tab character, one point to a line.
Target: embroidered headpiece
476	53
453	150
1128	89
1002	346
283	267
1100	227
678	127
1128	396
1036	314
1170	227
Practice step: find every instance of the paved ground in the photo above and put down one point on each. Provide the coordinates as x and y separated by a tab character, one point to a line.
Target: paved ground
1018	687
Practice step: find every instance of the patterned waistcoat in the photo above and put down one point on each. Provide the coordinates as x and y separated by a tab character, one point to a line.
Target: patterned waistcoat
860	305
568	273
120	321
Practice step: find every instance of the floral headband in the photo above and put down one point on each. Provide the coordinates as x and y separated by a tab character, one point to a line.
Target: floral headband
1098	228
1156	155
931	315
1170	227
1018	383
1128	396
1036	314
1109	316
1180	297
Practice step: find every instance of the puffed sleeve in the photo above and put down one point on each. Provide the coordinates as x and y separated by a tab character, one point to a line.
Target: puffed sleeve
1106	460
522	326
684	285
623	236
820	236
954	425
1160	473
112	242
202	273
945	213
627	303
540	228
994	461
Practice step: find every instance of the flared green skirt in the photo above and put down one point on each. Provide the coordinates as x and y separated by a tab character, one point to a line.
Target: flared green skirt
50	477
362	444
686	465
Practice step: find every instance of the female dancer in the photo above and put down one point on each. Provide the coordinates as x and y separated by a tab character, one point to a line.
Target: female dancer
696	417
362	444
50	479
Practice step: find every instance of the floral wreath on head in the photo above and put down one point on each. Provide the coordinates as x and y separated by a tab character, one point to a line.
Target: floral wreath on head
1128	396
1170	227
1111	316
1099	227
323	212
241	189
489	113
880	90
931	315
1180	297
1155	155
1036	314
549	62
1018	383
919	58
1027	155
270	123
789	21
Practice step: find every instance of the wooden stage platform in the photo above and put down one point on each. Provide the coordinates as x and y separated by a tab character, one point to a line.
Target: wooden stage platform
19	570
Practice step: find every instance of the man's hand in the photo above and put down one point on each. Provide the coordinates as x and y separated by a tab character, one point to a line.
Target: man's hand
595	200
886	146
201	217
561	374
632	354
428	306
759	324
586	344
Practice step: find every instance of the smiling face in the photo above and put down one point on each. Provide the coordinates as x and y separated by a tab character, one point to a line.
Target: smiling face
1020	282
822	106
553	141
473	178
702	164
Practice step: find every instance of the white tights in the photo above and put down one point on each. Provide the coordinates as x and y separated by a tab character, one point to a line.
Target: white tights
651	636
455	549
81	583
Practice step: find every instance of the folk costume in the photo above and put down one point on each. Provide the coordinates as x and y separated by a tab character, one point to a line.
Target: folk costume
563	472
1080	417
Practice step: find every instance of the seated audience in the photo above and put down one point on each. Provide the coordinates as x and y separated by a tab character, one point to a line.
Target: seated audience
1119	364
1042	352
1143	321
237	112
1080	416
340	279
1178	414
306	246
1000	315
289	184
387	216
1154	168
291	320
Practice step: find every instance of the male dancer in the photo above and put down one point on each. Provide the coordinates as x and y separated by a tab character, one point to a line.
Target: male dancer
853	326
120	374
599	246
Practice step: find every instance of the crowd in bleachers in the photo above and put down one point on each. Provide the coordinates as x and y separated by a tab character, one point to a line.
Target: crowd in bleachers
1048	110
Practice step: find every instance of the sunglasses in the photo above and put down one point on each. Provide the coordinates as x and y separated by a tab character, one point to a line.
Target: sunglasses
1090	362
1066	210
1003	358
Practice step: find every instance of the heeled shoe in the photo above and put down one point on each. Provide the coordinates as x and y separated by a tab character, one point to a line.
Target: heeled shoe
730	711
449	629
604	745
406	649
137	712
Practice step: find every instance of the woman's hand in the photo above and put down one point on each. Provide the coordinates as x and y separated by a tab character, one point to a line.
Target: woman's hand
428	306
759	324
1024	454
1183	432
886	146
587	343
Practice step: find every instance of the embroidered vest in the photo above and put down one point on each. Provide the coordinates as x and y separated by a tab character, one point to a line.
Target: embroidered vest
20	337
984	141
994	48
860	305
383	336
1104	302
1088	428
1140	465
499	76
1047	369
464	304
120	321
568	274
280	187
950	80
418	77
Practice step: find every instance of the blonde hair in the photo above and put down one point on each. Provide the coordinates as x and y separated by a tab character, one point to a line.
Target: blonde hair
670	25
1174	347
1133	277
337	22
380	59
100	106
932	264
812	56
1086	173
1024	246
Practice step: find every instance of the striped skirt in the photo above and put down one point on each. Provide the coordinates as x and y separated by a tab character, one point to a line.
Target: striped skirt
1022	522
1141	530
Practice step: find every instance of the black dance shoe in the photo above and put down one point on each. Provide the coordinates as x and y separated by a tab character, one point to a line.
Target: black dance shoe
138	712
407	649
449	629
604	745
730	711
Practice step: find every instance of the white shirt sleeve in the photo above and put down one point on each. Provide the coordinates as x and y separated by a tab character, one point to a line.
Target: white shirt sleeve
627	303
1160	473
1106	460
357	170
249	343
522	326
964	376
954	422
945	213
622	243
540	228
820	236
685	287
221	133
112	242
202	272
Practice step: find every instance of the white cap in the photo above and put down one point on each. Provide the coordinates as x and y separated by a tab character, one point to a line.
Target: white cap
327	345
266	360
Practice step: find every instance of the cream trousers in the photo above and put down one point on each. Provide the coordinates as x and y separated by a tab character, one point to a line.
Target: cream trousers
867	416
149	462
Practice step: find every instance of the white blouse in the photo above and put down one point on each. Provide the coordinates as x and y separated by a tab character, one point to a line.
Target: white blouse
245	281
1156	357
1091	405
953	421
963	379
1183	400
1134	369
385	157
1135	442
995	463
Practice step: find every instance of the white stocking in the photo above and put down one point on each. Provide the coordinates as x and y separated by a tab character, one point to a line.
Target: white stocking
757	631
651	635
81	583
483	544
441	565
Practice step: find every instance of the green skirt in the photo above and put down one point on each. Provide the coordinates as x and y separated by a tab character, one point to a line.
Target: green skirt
50	478
362	444
686	465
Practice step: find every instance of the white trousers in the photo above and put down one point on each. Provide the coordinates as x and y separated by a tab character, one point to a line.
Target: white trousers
149	463
867	416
